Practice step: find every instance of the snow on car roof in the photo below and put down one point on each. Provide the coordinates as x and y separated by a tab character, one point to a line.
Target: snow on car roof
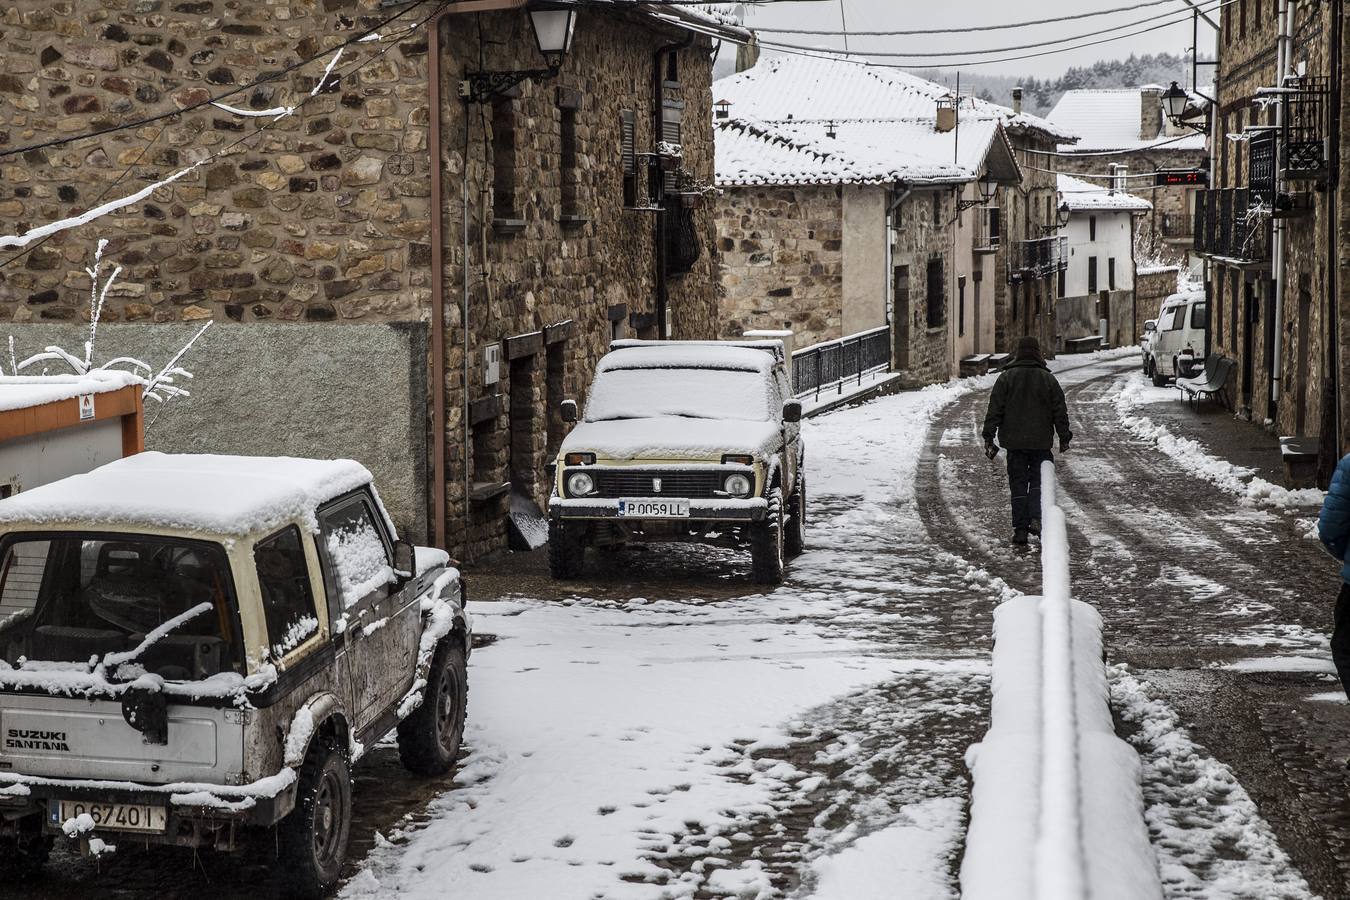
688	356
230	495
1183	297
24	391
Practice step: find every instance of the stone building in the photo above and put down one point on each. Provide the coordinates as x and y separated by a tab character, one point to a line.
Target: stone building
1268	227
1126	142
1096	289
857	197
397	274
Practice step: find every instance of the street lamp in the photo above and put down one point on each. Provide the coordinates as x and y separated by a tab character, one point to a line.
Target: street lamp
552	24
1062	214
1174	101
988	185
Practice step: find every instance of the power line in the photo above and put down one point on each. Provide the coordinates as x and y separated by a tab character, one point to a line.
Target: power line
262	79
966	30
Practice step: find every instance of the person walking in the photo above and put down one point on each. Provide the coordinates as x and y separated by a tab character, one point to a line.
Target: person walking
1333	527
1026	410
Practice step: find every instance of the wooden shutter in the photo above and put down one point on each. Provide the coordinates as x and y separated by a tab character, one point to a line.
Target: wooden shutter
628	153
672	117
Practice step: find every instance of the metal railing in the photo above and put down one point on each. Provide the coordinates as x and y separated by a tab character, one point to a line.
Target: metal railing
1038	258
1177	225
1303	131
987	229
832	364
1226	226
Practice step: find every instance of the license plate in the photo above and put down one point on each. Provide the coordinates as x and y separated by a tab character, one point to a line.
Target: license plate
114	816
654	509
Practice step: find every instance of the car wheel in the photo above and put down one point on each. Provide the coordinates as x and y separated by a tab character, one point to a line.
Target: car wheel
25	856
794	538
566	550
429	738
766	543
1158	380
313	838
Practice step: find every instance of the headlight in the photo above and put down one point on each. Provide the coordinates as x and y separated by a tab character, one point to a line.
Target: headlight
579	484
738	485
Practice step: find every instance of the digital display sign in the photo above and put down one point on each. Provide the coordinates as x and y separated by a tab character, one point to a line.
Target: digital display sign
1168	177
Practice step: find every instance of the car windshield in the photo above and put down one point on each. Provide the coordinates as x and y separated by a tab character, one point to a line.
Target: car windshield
133	603
696	393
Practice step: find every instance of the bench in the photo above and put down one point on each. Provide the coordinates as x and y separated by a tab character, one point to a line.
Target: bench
1299	455
1210	382
975	365
1084	344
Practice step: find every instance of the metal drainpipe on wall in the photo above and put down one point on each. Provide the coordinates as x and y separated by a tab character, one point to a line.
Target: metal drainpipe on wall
1282	55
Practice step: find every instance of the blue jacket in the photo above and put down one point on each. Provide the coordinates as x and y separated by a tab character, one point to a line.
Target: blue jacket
1333	526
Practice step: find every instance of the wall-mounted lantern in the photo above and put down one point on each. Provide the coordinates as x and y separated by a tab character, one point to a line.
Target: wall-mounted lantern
553	25
1174	103
1062	214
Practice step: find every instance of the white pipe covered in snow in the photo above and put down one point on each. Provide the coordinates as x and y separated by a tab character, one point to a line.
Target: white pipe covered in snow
1056	810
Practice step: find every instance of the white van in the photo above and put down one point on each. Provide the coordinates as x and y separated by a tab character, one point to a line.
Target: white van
1178	348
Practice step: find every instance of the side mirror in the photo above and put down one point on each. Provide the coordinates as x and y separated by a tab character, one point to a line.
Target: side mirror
405	560
568	409
792	411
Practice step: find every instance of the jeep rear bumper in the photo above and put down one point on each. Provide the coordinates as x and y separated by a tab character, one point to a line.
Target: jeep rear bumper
735	511
196	815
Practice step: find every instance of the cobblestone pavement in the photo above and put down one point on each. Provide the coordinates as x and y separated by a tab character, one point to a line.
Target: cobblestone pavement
908	561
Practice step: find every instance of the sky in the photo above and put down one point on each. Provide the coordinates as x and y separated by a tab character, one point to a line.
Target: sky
877	15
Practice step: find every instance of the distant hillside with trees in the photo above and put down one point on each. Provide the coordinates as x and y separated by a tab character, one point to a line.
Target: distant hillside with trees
1040	95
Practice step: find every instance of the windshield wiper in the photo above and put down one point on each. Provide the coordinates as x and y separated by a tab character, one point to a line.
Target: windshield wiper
125	656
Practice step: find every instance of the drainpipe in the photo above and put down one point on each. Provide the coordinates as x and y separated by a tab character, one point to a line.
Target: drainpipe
659	228
438	437
1332	393
1283	62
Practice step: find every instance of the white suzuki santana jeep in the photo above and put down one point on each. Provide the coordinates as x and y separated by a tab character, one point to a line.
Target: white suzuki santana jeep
683	441
194	645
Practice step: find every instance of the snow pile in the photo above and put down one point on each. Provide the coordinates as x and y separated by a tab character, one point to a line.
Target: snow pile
1056	810
1193	456
1080	194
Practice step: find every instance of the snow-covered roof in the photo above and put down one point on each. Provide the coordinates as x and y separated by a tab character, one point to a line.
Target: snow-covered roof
828	87
862	152
1083	195
24	391
688	356
227	495
1112	119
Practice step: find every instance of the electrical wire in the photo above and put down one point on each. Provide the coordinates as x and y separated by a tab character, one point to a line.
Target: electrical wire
965	30
363	37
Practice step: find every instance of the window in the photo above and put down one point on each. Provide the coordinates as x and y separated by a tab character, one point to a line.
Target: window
1227	24
1092	228
1062	285
1242	18
568	160
672	132
504	159
1092	274
1199	316
358	557
283	580
937	209
937	290
1172	319
1111	273
1217	288
961	305
628	152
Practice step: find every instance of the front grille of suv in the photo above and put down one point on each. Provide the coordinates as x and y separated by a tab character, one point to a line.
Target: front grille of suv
693	485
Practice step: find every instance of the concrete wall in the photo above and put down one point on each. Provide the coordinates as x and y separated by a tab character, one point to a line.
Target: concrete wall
1080	317
782	260
1114	240
1151	287
864	261
974	331
358	392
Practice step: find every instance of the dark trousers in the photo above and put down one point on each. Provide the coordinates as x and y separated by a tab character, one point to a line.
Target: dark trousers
1024	481
1340	638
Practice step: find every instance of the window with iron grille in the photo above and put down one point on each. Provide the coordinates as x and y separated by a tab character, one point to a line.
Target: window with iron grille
961	305
937	293
1111	273
1092	274
570	173
628	152
504	158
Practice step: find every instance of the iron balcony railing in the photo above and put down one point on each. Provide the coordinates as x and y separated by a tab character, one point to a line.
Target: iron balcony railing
833	364
1226	225
988	230
1303	129
1177	225
1038	258
1261	153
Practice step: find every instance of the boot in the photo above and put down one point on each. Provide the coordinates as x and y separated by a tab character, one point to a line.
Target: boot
1019	536
1036	527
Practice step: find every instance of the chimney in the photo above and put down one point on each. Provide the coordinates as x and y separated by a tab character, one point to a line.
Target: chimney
1017	101
946	117
1150	112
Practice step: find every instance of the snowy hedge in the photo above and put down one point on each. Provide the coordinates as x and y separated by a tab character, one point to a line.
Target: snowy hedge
1056	811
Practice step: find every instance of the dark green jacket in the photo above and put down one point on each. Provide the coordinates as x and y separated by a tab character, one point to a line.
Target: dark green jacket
1027	408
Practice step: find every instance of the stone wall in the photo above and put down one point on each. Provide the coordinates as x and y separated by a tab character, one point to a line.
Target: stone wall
1151	287
324	217
781	252
923	349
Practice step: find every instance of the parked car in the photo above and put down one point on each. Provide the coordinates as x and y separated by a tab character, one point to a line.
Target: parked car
1146	344
1178	348
197	645
683	441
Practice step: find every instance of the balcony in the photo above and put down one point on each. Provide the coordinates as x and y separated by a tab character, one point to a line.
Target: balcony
987	229
1227	228
1039	258
1177	226
1303	132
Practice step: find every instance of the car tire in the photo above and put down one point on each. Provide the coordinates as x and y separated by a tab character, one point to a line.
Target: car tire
313	838
27	854
429	738
1158	380
566	550
794	538
766	543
